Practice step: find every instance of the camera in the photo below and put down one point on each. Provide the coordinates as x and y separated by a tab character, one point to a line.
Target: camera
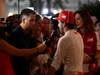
51	38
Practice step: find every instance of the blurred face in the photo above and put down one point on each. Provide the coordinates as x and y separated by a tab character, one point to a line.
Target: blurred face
45	25
61	27
39	23
29	22
37	29
78	21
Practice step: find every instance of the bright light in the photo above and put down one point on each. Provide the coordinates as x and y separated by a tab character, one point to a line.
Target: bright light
31	8
45	11
48	16
54	11
10	14
99	0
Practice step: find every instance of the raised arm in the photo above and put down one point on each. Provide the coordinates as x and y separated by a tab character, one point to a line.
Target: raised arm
11	50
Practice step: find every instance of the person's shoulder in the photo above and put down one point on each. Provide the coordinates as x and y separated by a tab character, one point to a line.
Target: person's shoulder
64	39
17	31
61	39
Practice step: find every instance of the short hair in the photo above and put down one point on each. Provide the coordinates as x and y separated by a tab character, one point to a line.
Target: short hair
70	25
27	12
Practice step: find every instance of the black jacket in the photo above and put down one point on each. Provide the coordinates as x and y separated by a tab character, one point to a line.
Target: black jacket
22	40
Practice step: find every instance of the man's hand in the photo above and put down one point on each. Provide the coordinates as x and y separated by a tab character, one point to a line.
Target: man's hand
87	59
41	47
43	58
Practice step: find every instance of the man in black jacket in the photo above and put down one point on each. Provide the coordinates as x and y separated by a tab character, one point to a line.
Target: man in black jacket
21	38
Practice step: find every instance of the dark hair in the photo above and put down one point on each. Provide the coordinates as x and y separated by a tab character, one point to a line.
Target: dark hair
38	17
88	23
27	12
70	26
13	20
55	24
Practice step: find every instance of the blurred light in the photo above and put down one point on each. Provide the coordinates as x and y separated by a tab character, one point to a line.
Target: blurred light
10	14
55	11
99	0
45	11
48	16
31	8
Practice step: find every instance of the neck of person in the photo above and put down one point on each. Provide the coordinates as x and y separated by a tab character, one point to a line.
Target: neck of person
82	30
23	26
25	29
66	29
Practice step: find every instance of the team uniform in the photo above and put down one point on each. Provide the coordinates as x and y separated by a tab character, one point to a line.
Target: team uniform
91	47
70	53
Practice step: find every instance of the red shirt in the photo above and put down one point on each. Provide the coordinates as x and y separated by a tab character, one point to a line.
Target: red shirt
5	65
90	43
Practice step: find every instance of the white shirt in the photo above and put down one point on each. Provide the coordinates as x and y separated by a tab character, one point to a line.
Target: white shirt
69	52
98	47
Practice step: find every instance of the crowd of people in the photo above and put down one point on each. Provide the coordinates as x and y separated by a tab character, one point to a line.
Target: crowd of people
66	44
